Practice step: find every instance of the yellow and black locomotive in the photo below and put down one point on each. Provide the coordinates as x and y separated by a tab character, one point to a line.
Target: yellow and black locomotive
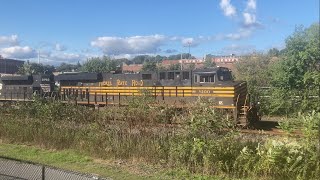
167	87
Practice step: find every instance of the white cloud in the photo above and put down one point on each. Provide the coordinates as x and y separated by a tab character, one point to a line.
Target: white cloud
249	19
169	51
228	9
9	40
251	4
242	33
238	49
60	47
249	15
67	57
192	42
127	56
18	52
129	45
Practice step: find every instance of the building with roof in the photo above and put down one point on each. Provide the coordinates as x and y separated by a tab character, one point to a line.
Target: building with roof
221	61
131	68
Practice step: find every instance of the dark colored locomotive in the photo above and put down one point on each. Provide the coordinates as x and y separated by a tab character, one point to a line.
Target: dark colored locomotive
23	87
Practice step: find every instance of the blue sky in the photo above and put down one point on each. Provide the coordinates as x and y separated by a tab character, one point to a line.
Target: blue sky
73	30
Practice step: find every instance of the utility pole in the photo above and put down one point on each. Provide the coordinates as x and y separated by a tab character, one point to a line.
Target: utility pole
189	43
39	56
181	61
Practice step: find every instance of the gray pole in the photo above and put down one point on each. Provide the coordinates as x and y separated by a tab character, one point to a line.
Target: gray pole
43	172
189	50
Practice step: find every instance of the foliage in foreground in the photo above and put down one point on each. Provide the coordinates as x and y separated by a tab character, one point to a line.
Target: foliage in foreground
143	133
292	76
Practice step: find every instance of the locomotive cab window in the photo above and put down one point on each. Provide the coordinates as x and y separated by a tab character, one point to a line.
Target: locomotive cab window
177	75
146	76
204	78
185	75
171	75
162	75
225	76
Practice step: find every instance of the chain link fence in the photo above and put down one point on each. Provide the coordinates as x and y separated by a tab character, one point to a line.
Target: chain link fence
13	169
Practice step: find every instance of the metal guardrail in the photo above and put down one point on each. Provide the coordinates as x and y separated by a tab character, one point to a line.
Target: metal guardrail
14	169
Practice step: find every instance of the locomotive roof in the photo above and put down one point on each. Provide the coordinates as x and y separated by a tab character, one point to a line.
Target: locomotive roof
77	76
207	70
16	78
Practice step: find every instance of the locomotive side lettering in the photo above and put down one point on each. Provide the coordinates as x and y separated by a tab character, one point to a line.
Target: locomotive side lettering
106	83
136	83
202	91
121	83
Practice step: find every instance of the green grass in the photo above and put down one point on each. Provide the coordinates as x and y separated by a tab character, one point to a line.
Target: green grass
127	144
70	160
74	161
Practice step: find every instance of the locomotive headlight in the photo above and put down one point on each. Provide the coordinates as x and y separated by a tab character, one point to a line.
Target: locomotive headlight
220	102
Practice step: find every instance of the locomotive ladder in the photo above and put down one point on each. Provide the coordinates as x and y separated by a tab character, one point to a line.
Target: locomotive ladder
243	113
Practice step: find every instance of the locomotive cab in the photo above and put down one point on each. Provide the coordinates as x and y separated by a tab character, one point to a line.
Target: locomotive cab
212	76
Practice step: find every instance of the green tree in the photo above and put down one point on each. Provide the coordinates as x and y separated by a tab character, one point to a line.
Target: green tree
150	66
255	70
65	67
274	52
179	56
302	55
297	74
142	59
208	63
190	66
35	69
100	65
173	67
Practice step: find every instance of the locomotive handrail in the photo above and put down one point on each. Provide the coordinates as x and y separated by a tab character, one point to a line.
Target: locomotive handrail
237	100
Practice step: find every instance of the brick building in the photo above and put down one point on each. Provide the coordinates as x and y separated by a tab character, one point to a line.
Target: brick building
226	61
131	68
221	61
